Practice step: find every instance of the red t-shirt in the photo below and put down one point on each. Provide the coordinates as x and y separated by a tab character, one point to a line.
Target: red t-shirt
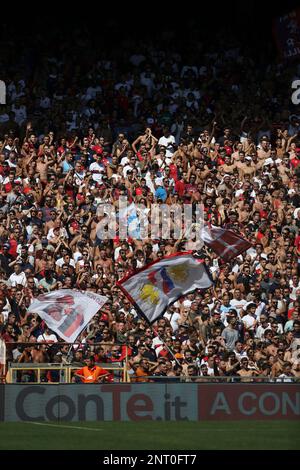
173	172
13	247
295	162
138	154
297	243
180	187
7	187
263	214
75	225
259	235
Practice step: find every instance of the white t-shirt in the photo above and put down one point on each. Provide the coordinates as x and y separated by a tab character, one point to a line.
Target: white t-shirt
62	232
168	143
47	338
130	168
60	262
249	320
261	330
158	345
15	279
173	318
97	167
117	252
294	289
77	255
238	304
6	310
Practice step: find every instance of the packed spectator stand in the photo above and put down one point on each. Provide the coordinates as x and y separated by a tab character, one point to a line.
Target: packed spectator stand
158	125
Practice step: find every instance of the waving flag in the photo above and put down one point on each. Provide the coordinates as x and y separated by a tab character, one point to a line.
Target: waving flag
226	243
153	288
66	311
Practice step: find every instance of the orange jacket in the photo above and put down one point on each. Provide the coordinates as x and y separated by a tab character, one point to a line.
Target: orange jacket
91	375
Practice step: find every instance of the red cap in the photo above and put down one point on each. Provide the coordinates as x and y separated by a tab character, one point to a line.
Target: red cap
97	149
80	198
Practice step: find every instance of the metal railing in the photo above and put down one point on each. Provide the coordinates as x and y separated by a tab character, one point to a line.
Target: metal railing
36	372
39	373
212	379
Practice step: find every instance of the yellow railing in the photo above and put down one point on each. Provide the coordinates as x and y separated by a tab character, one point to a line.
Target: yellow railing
65	372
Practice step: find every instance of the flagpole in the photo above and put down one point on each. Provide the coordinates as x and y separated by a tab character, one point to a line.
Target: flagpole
67	359
86	326
167	347
72	344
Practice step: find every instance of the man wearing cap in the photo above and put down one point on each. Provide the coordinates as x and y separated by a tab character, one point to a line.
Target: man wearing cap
6	259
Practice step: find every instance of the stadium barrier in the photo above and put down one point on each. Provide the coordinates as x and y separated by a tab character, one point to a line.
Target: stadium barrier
55	373
215	379
149	402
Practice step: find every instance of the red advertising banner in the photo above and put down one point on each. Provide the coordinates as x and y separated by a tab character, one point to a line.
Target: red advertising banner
253	401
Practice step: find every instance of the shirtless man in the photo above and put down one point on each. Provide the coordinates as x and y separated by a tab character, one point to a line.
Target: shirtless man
265	151
245	372
246	168
104	262
42	168
228	166
39	354
147	137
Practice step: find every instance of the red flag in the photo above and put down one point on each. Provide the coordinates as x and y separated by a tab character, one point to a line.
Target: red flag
226	243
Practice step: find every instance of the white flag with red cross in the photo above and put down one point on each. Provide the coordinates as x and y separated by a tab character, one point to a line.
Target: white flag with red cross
225	243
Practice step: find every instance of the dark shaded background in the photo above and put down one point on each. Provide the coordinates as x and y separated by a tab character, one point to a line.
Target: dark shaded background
113	22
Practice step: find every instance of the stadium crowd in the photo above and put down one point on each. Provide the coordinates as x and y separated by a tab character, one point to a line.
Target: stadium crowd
158	127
